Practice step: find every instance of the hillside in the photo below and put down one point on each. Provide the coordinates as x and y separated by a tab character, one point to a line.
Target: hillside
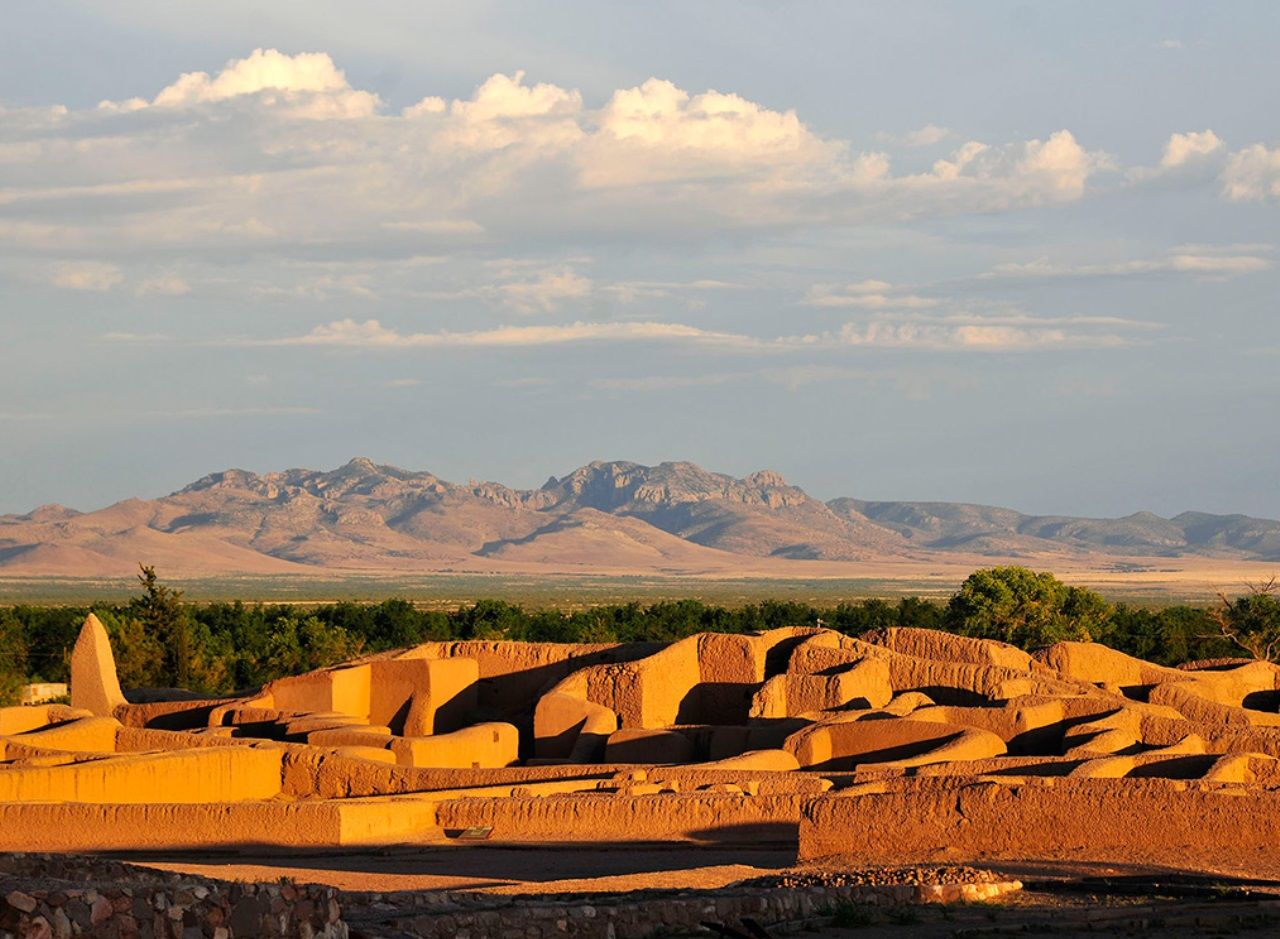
608	516
991	530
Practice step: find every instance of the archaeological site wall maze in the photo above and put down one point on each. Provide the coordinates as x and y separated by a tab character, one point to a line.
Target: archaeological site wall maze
900	746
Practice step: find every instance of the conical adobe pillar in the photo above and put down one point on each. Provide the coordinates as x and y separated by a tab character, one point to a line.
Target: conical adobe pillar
94	685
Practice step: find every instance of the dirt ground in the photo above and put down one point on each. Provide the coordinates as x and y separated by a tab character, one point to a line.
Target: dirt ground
491	868
1059	899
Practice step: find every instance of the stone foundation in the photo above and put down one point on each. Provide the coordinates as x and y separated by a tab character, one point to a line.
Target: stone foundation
637	915
50	897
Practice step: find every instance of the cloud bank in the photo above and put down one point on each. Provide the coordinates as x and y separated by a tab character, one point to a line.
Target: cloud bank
280	150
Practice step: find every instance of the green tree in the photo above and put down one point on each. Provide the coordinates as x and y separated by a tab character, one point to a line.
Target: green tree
13	658
1252	621
1024	608
163	616
139	654
302	643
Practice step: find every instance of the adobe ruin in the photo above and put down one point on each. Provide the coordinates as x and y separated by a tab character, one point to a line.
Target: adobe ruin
900	746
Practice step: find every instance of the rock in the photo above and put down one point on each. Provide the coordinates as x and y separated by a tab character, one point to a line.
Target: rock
21	901
102	910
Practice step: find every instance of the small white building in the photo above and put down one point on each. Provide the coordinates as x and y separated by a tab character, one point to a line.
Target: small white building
43	692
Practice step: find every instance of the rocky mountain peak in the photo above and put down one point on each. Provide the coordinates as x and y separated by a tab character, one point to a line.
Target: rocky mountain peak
227	479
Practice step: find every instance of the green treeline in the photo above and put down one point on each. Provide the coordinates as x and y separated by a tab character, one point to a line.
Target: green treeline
162	641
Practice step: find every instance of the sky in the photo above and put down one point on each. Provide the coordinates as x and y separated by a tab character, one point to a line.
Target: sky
1013	253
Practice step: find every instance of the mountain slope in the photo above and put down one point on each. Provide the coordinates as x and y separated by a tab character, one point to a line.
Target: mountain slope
616	516
991	530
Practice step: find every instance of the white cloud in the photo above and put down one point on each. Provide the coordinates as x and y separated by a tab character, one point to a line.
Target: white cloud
307	84
1191	157
1010	332
1035	172
1183	148
657	133
93	276
546	293
1252	174
1172	44
373	335
1204	264
866	295
964	332
219	160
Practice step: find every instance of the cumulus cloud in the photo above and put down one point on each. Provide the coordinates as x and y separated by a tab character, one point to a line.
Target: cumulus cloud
281	151
1183	148
307	85
1035	172
1193	156
1252	174
657	132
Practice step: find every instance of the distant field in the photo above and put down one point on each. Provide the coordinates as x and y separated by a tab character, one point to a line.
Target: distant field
568	592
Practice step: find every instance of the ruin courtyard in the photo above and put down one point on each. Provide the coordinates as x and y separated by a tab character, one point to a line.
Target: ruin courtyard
697	767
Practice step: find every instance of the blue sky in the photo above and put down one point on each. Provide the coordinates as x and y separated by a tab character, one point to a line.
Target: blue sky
1013	253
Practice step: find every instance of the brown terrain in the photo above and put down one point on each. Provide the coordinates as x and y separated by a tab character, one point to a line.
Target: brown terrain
611	519
794	776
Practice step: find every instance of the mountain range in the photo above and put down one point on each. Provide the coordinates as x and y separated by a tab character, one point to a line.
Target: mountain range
606	516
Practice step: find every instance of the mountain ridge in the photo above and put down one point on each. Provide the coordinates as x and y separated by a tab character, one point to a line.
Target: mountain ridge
672	517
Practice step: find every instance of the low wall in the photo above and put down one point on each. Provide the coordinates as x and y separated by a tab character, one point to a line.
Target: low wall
1157	821
635	915
53	897
78	826
609	817
224	775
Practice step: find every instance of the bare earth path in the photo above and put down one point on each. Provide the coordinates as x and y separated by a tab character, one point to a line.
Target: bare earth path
492	869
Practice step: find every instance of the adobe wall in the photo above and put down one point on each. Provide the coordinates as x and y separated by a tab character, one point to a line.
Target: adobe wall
417	697
708	678
224	775
79	827
945	647
846	744
513	674
610	817
19	720
1154	821
83	735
